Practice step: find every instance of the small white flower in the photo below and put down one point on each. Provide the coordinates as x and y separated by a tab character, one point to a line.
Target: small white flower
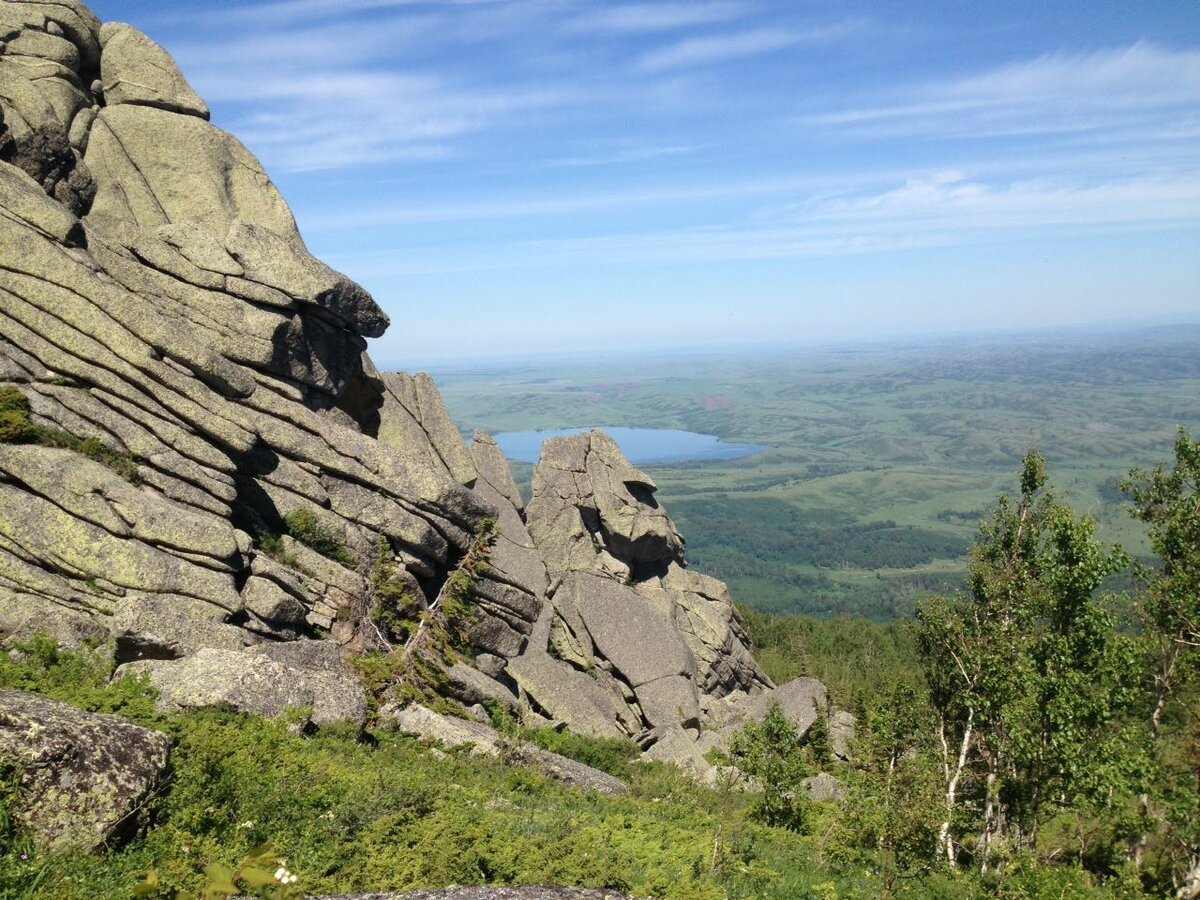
281	873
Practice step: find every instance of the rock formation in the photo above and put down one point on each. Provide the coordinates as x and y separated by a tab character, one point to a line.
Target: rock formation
84	775
200	465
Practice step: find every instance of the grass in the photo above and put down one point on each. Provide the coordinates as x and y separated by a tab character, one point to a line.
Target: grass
379	811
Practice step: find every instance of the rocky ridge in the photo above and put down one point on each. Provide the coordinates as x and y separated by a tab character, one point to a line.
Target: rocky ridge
183	386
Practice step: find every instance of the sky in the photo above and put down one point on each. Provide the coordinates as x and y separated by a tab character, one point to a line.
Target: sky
529	177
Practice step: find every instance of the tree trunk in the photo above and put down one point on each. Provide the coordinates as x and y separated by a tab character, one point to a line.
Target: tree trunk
991	817
1190	890
944	839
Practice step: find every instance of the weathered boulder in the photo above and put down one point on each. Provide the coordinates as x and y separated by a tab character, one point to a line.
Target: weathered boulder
661	645
177	324
414	421
824	788
82	777
801	700
587	499
628	632
134	69
842	725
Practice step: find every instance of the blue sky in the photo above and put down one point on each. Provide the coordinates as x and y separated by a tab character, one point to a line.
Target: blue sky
528	176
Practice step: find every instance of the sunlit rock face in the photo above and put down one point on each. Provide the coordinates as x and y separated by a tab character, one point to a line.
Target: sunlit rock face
181	382
157	298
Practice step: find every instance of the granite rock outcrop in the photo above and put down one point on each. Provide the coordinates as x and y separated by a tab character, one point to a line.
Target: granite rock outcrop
202	469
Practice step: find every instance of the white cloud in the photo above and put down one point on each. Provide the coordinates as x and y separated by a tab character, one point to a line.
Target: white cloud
932	210
1059	93
699	51
649	17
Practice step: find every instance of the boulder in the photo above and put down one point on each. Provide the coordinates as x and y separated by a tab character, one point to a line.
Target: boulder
134	69
801	700
640	643
415	421
842	726
252	682
824	788
148	627
82	777
588	498
572	697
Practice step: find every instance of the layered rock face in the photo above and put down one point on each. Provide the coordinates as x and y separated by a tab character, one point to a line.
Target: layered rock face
183	385
156	297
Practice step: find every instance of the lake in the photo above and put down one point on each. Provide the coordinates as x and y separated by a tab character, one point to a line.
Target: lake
642	446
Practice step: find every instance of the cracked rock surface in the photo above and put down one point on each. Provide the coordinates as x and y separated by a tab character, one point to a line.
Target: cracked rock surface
184	380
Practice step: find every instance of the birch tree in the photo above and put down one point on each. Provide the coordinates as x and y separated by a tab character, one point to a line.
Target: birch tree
1027	675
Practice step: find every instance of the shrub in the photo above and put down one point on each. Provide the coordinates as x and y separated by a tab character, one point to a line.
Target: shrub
304	526
16	427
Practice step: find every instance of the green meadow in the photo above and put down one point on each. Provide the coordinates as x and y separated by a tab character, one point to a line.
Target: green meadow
883	457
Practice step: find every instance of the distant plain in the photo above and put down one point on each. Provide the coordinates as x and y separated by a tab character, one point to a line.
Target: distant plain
883	457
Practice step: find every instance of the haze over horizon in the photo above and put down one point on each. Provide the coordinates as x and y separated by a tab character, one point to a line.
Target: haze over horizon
555	175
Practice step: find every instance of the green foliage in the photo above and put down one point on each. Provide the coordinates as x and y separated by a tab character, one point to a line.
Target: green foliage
773	754
413	671
385	814
304	526
1029	677
394	608
855	659
612	755
893	806
16	427
1168	500
79	678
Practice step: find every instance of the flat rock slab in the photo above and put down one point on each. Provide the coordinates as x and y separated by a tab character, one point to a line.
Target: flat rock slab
251	682
633	636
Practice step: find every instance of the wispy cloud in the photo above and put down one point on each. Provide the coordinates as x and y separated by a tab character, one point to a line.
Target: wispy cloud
932	210
623	155
707	50
335	118
1055	93
633	18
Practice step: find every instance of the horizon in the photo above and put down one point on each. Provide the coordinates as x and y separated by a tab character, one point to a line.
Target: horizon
918	343
556	177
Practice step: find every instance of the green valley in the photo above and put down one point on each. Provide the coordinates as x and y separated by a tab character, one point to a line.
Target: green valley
883	458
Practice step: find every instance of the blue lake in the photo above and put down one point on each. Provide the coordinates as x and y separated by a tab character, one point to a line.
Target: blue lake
642	446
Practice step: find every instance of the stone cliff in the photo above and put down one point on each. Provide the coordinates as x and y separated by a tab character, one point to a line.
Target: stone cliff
202	470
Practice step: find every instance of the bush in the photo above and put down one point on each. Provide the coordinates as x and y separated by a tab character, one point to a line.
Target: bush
772	753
